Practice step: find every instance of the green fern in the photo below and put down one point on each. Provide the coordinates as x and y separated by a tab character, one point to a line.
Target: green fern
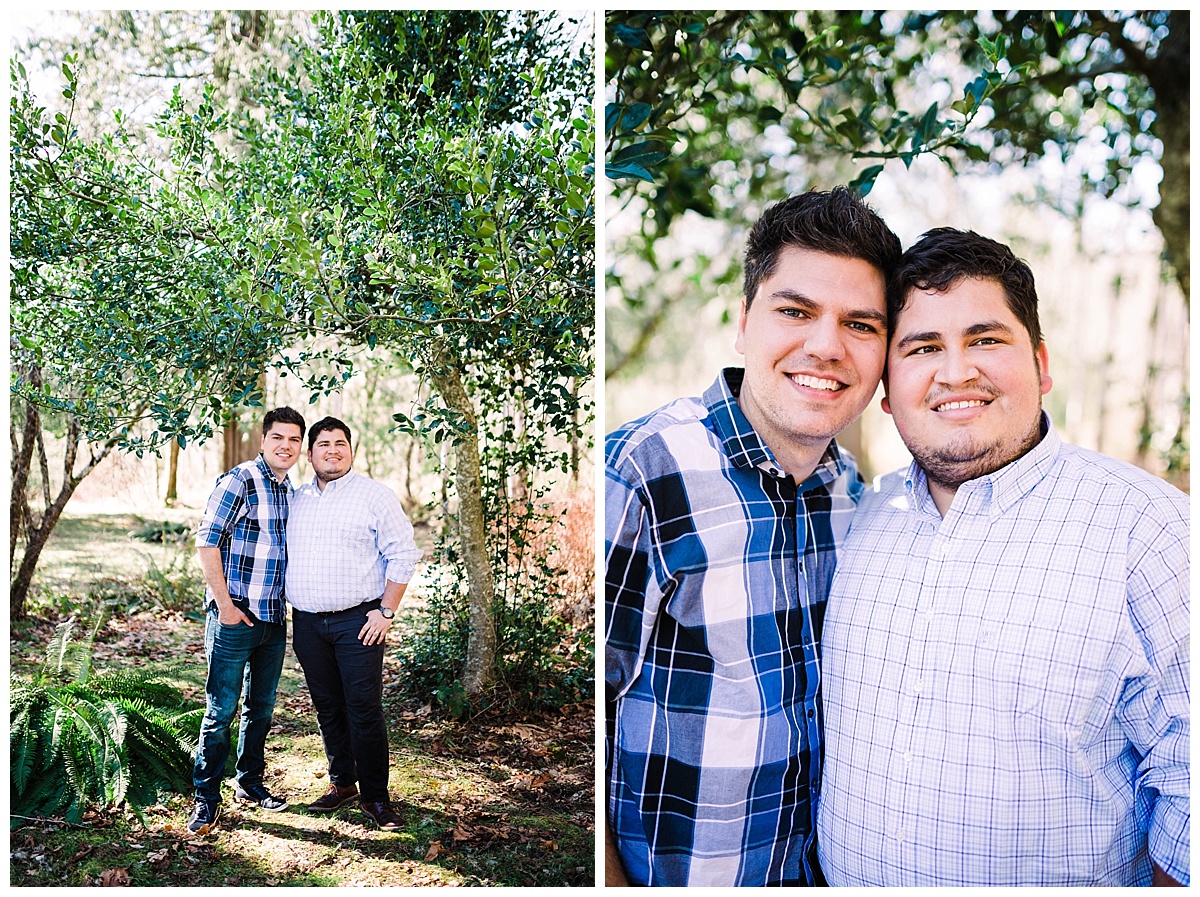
79	739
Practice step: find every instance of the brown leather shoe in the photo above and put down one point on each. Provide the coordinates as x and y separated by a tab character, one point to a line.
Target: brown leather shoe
334	798
382	814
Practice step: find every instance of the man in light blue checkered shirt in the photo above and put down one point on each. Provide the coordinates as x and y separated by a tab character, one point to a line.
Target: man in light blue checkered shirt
242	549
1006	647
351	555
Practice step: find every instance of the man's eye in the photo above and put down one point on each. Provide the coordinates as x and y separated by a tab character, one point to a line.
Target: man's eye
862	327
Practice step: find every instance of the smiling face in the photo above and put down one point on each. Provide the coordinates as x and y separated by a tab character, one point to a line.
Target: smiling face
281	446
330	456
814	339
964	383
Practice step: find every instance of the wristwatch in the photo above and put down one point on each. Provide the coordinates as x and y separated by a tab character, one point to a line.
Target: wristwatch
386	612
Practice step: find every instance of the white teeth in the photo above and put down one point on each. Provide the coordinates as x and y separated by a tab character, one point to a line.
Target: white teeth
816	382
954	406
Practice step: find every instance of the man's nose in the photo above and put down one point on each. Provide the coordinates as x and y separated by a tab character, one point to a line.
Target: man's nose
824	339
956	367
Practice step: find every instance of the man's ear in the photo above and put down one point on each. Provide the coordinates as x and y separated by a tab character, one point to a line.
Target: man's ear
739	342
1043	360
884	403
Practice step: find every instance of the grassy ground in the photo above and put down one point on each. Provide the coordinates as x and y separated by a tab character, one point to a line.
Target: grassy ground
487	801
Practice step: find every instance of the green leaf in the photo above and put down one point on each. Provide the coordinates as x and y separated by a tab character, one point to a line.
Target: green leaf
929	129
617	172
612	115
643	154
865	180
637	38
635	116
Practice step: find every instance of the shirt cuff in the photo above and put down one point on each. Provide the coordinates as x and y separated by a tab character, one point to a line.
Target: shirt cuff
1170	837
400	571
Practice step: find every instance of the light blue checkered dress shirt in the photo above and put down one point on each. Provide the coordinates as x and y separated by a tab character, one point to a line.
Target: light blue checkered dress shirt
345	542
1006	690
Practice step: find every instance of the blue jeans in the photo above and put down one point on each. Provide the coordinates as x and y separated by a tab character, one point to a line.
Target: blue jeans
345	681
243	662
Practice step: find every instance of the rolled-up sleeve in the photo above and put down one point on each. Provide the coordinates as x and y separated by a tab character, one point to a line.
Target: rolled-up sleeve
395	539
224	505
631	595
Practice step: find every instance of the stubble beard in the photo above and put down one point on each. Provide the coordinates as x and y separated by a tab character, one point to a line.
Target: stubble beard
952	465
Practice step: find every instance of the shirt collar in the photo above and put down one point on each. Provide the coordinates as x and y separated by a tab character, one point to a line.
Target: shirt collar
743	446
332	484
269	474
1001	489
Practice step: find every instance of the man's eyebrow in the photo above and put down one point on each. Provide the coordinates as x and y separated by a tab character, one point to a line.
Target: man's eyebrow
793	297
927	336
854	314
988	327
934	336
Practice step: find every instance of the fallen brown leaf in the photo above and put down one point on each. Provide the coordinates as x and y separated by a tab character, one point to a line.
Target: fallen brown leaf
114	878
435	847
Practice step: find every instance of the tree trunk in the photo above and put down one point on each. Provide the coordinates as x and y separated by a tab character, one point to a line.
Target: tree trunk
238	446
480	667
1170	74
22	460
173	475
38	537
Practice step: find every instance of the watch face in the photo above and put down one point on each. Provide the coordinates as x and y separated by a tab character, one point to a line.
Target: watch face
387	612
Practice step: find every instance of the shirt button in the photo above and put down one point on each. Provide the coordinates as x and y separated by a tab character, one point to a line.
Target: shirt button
908	757
900	835
916	687
811	713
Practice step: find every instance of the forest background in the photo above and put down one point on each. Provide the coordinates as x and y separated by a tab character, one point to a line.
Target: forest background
386	216
1064	134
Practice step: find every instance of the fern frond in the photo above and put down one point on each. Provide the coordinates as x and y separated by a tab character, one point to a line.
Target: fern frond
85	662
24	747
100	739
58	649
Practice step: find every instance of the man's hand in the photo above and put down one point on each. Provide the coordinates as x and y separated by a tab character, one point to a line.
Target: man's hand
210	566
614	869
1162	879
376	628
231	615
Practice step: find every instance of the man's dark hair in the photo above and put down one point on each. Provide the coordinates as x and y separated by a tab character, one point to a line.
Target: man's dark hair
944	256
324	424
837	222
284	415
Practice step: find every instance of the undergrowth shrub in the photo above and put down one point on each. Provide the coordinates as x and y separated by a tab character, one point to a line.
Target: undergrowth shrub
178	585
543	563
80	739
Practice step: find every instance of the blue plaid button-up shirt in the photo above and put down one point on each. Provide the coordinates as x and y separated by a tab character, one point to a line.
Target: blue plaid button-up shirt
246	518
718	567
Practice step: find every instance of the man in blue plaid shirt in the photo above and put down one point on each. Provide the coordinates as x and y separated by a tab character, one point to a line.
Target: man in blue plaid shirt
723	519
243	549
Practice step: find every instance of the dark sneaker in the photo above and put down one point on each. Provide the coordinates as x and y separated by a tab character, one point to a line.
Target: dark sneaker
261	797
334	798
382	814
204	817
